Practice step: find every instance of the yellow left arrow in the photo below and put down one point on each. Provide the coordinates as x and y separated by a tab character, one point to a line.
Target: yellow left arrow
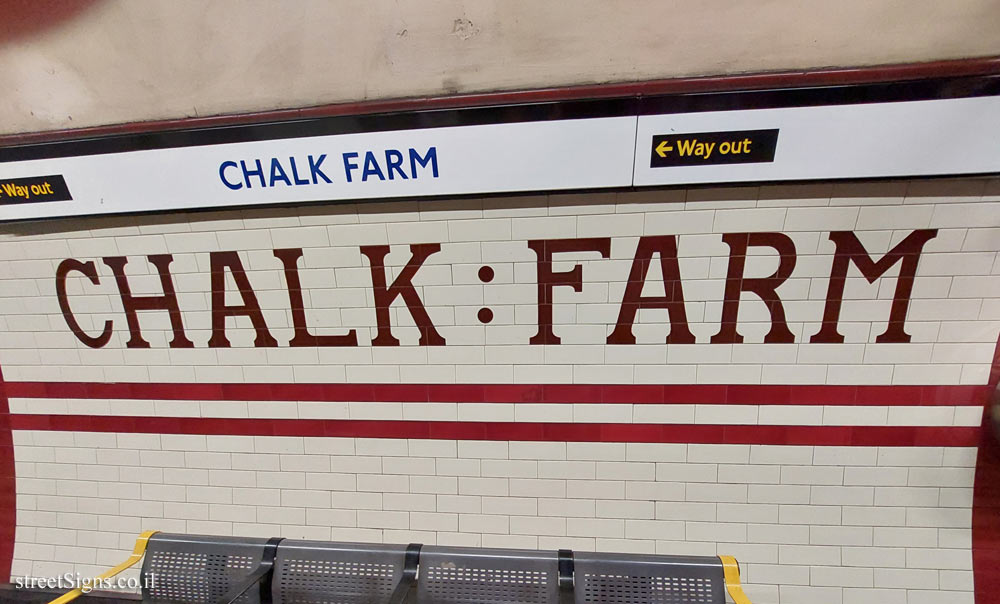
662	149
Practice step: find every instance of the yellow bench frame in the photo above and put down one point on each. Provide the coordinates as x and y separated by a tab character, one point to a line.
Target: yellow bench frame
137	553
731	572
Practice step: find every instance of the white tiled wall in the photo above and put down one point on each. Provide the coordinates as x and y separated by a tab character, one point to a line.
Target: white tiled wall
837	525
953	318
830	524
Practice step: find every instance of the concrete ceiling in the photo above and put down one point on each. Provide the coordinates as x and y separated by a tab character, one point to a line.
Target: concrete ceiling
79	63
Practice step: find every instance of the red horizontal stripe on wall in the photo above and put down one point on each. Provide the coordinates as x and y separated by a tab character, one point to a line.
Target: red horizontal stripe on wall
710	394
886	436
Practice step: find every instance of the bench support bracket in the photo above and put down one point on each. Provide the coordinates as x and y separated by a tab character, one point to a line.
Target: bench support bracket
261	574
410	563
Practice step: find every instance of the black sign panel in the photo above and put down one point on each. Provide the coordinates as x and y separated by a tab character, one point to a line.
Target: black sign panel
711	148
35	189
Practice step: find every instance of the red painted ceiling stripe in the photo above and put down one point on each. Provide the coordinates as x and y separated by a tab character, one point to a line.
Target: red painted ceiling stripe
713	394
663	433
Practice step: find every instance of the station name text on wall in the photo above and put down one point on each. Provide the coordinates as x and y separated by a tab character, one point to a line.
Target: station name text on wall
849	251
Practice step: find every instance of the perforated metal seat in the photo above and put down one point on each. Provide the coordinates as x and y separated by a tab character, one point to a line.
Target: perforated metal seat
199	569
314	572
645	579
452	575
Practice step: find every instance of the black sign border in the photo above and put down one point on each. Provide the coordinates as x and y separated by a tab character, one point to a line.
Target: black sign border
632	105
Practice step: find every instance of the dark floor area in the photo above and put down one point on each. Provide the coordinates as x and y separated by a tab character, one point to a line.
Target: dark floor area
11	595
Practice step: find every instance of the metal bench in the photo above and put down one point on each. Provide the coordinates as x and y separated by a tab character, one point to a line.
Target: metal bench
647	579
202	569
311	572
462	575
198	569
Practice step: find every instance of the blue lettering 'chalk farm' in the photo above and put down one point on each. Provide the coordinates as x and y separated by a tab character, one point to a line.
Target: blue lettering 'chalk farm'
358	166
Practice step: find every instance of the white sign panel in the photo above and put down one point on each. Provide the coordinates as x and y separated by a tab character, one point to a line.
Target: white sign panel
918	138
529	156
870	140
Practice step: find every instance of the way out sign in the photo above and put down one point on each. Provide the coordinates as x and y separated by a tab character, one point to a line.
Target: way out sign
707	148
938	137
